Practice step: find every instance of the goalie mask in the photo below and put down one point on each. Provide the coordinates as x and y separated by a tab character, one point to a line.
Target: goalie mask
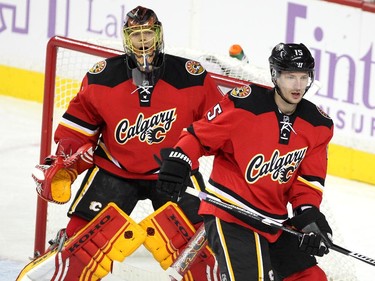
291	57
143	39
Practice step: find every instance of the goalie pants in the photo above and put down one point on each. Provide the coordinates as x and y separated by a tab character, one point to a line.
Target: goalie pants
99	188
243	254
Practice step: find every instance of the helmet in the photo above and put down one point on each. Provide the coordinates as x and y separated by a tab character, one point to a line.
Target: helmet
143	38
291	57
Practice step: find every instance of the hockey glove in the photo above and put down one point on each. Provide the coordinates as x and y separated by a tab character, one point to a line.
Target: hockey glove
317	236
55	177
174	175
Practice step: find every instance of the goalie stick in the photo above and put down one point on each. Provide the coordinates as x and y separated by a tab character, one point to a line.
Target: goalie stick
235	209
314	88
188	255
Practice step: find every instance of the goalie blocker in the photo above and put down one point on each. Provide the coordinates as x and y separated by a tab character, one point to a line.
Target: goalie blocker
110	236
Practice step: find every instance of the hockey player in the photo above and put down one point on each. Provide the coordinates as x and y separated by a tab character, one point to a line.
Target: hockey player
128	108
270	148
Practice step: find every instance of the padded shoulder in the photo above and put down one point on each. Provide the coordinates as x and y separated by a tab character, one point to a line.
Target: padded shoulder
314	115
254	98
259	99
182	72
109	72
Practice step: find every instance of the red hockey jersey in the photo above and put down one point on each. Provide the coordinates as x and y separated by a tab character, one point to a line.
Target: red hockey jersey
132	123
263	158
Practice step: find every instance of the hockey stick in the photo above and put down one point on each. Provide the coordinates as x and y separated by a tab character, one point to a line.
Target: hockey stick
235	209
314	88
188	255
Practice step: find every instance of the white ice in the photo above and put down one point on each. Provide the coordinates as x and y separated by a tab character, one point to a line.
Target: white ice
351	203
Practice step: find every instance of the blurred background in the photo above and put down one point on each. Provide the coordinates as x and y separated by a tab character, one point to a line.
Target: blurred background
338	32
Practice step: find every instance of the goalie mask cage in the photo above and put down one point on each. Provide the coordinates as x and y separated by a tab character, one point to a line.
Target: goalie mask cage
67	61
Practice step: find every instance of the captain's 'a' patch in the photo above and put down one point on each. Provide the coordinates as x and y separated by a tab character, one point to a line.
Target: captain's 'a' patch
98	67
194	67
241	92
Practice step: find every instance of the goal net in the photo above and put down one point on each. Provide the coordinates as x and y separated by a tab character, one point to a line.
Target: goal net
67	61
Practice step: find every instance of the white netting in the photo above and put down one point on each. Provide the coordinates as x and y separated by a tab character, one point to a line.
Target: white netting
70	68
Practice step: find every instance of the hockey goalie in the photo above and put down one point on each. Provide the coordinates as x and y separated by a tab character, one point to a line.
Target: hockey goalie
129	108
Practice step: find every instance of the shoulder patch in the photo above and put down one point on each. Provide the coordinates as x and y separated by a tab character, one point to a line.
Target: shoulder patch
241	92
194	67
323	113
98	67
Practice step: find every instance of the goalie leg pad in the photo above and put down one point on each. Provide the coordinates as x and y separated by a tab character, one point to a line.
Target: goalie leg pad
110	236
168	231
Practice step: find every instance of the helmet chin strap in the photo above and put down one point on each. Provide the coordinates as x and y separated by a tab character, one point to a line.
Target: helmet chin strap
278	91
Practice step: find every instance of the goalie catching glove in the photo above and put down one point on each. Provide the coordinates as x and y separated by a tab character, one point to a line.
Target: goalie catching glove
174	175
317	236
54	178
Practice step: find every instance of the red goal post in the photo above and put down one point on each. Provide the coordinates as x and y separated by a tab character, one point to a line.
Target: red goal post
48	110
